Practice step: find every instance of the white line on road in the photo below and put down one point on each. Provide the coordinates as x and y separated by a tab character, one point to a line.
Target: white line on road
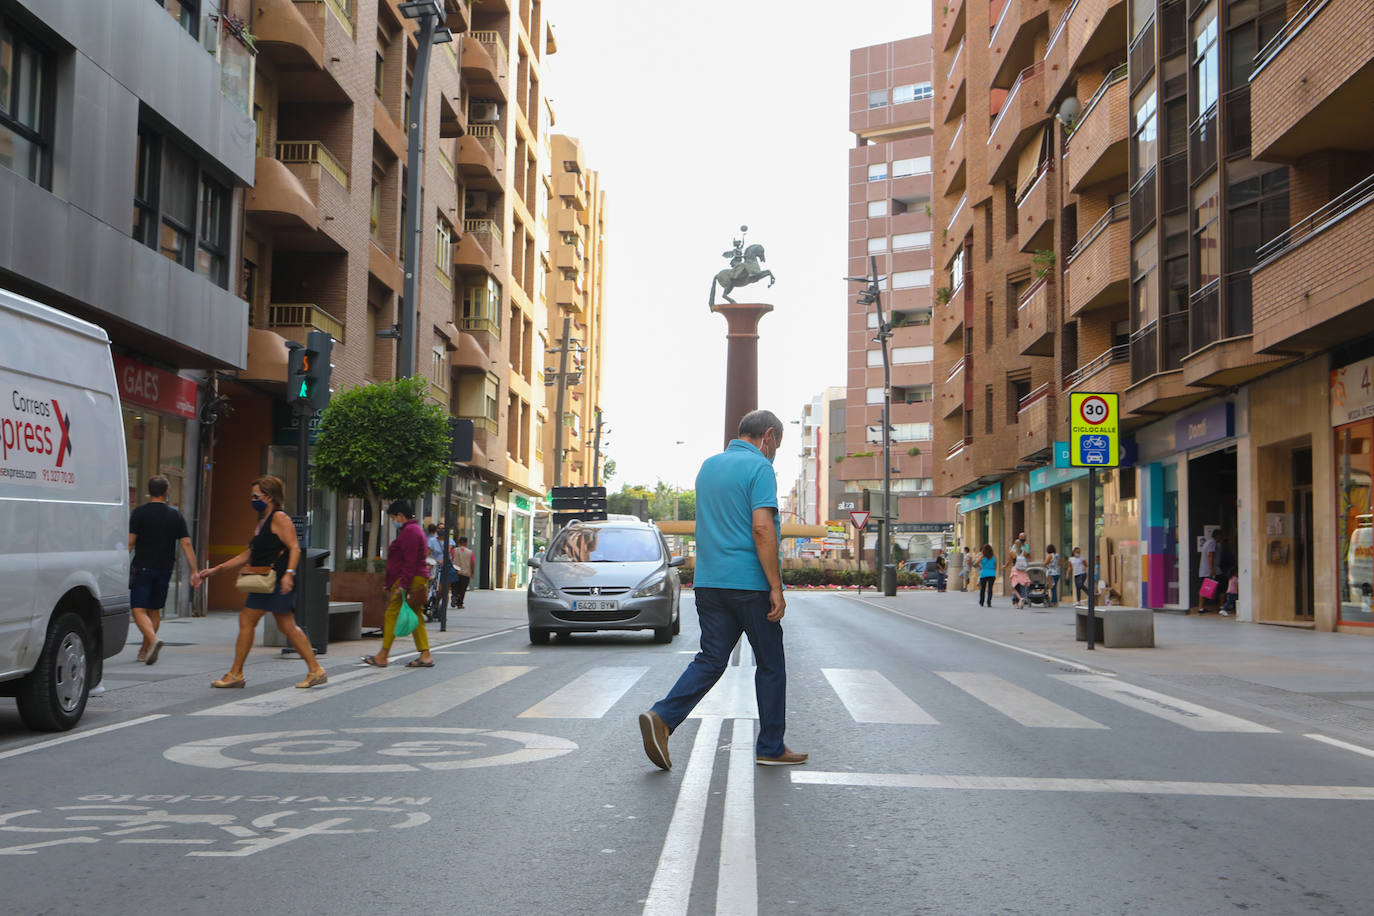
1112	786
1016	702
440	698
53	742
1342	745
870	697
1171	709
288	698
737	884
589	696
671	890
731	698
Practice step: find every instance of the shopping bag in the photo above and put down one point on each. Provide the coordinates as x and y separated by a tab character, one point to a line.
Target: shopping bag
1208	589
406	620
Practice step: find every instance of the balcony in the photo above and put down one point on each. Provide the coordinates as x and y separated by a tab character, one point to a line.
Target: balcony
1097	272
568	221
958	226
284	36
1023	112
482	158
1036	206
571	257
1097	148
457	15
453	119
469	356
300	194
279	199
954	170
1035	319
950	395
570	295
951	26
1035	429
1313	82
954	97
1057	56
1011	47
484	63
1157	386
572	188
1111	371
1093	28
949	318
297	319
1314	283
480	247
306	75
912	375
1222	353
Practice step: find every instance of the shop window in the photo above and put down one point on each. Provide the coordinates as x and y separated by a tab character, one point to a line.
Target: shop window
1354	521
1125	483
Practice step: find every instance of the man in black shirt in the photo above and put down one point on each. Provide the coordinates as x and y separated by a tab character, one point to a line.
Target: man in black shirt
155	530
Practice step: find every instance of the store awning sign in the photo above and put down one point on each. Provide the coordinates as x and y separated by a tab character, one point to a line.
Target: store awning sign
980	498
158	389
1203	427
1352	392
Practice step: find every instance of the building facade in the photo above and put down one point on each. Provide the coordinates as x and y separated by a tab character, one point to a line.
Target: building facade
1133	199
890	224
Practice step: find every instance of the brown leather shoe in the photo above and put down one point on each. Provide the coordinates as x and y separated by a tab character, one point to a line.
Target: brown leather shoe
654	731
788	757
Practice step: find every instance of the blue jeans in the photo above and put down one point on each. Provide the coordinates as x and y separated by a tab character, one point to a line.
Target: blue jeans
1054	589
725	613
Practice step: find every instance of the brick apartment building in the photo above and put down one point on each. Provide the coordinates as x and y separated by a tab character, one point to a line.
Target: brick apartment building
890	219
1173	201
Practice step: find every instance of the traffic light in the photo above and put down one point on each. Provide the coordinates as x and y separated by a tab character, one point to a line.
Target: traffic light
297	376
319	368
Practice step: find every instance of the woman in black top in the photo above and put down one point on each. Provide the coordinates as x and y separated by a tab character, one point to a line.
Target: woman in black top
274	544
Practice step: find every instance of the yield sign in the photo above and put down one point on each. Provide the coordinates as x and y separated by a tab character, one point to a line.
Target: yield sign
859	519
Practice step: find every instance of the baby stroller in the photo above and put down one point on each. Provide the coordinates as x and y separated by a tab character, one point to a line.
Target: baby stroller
1038	592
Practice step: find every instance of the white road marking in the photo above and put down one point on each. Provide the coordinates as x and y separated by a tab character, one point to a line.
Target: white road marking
1016	702
737	884
671	890
1342	745
77	736
732	697
287	698
1110	786
870	697
443	696
1171	709
589	696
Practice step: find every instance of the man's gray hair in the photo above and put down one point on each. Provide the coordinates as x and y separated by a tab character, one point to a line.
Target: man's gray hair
754	424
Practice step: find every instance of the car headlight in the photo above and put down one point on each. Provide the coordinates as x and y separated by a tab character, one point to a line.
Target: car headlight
653	587
540	587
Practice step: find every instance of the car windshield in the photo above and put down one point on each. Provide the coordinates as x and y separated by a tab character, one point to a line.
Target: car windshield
588	544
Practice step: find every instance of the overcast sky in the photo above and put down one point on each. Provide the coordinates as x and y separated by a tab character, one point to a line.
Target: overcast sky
701	117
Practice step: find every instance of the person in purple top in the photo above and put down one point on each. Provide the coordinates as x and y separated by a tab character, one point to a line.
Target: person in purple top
405	570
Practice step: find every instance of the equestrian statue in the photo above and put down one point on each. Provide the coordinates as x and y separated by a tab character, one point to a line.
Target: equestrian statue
744	269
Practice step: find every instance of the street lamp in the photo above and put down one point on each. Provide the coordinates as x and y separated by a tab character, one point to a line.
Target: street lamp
872	295
432	31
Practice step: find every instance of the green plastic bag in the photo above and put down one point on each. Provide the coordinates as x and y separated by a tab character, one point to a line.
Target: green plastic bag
406	621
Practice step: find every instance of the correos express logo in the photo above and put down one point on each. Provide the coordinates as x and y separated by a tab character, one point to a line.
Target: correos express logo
35	440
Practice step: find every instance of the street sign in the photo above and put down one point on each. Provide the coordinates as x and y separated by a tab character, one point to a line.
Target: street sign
1094	425
859	519
569	504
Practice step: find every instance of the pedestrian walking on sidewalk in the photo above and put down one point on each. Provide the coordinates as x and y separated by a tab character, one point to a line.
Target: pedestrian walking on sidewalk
966	571
462	569
1079	567
405	576
1053	570
738	590
1020	577
987	575
274	544
155	531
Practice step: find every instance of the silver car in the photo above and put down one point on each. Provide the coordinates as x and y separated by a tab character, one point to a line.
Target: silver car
611	575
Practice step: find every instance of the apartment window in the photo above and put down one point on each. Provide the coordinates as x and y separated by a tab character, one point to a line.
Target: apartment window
186	13
918	394
911	432
1256	210
1142	12
26	106
956	267
1245	38
877	98
874	395
911	240
913	92
1144	281
905	168
987	410
902	356
877	171
1206	72
212	257
1017	389
443	251
1175	276
259	129
1206	233
910	279
875	359
179	209
877	208
377	71
1145	130
375	207
479	307
877	246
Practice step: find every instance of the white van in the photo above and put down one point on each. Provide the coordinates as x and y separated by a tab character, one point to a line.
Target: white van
64	512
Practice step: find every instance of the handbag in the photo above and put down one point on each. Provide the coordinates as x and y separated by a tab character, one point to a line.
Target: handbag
418	595
257	580
1208	589
406	620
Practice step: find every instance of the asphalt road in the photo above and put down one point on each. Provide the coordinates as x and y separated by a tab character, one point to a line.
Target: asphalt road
948	775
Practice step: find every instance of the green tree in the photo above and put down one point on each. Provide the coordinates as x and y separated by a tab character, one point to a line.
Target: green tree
385	440
607	470
631	500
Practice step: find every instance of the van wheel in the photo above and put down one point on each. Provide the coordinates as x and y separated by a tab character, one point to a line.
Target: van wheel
53	696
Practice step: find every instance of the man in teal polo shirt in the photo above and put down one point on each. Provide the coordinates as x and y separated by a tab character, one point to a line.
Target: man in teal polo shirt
738	589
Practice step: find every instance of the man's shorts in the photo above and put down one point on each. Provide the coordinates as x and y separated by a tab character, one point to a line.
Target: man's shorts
150	589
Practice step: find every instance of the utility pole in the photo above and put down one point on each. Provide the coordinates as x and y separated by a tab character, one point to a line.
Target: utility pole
565	346
872	295
596	452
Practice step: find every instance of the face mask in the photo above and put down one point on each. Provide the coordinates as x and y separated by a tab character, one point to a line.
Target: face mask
258	504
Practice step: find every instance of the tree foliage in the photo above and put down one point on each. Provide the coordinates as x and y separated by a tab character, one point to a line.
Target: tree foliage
653	503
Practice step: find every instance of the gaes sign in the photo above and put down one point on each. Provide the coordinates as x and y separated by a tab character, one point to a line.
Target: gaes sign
1094	422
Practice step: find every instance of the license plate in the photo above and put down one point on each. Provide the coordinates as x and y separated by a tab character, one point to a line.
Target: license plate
596	605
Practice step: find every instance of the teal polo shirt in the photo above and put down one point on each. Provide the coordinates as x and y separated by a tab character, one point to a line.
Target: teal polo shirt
730	486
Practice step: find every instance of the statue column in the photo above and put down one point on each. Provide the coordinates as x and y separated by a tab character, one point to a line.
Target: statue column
741	361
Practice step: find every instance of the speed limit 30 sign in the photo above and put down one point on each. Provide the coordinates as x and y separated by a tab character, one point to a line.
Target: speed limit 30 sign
1094	425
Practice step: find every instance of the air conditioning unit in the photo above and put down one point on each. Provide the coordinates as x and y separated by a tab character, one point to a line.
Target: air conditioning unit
476	202
484	112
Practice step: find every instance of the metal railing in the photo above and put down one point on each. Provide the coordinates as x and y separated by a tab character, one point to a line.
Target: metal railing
482	227
958	53
1118	354
1029	294
1114	214
492	133
1027	74
958	132
1032	398
1305	14
1001	17
1318	221
958	209
1114	77
958	446
490	424
1045	168
1060	26
303	315
311	152
956	369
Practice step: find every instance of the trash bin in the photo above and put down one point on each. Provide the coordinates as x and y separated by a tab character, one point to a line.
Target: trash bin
312	606
890	580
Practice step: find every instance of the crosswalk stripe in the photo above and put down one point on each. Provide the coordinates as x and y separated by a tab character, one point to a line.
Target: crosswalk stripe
441	697
276	701
1016	702
589	696
732	697
872	698
1171	709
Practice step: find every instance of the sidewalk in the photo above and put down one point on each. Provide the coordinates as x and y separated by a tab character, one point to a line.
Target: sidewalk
1321	680
205	645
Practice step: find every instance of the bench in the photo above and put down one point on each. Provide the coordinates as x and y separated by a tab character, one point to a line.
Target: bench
1118	627
345	624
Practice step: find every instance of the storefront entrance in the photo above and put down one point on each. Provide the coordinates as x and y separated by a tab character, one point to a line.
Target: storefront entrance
1354	522
1212	508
